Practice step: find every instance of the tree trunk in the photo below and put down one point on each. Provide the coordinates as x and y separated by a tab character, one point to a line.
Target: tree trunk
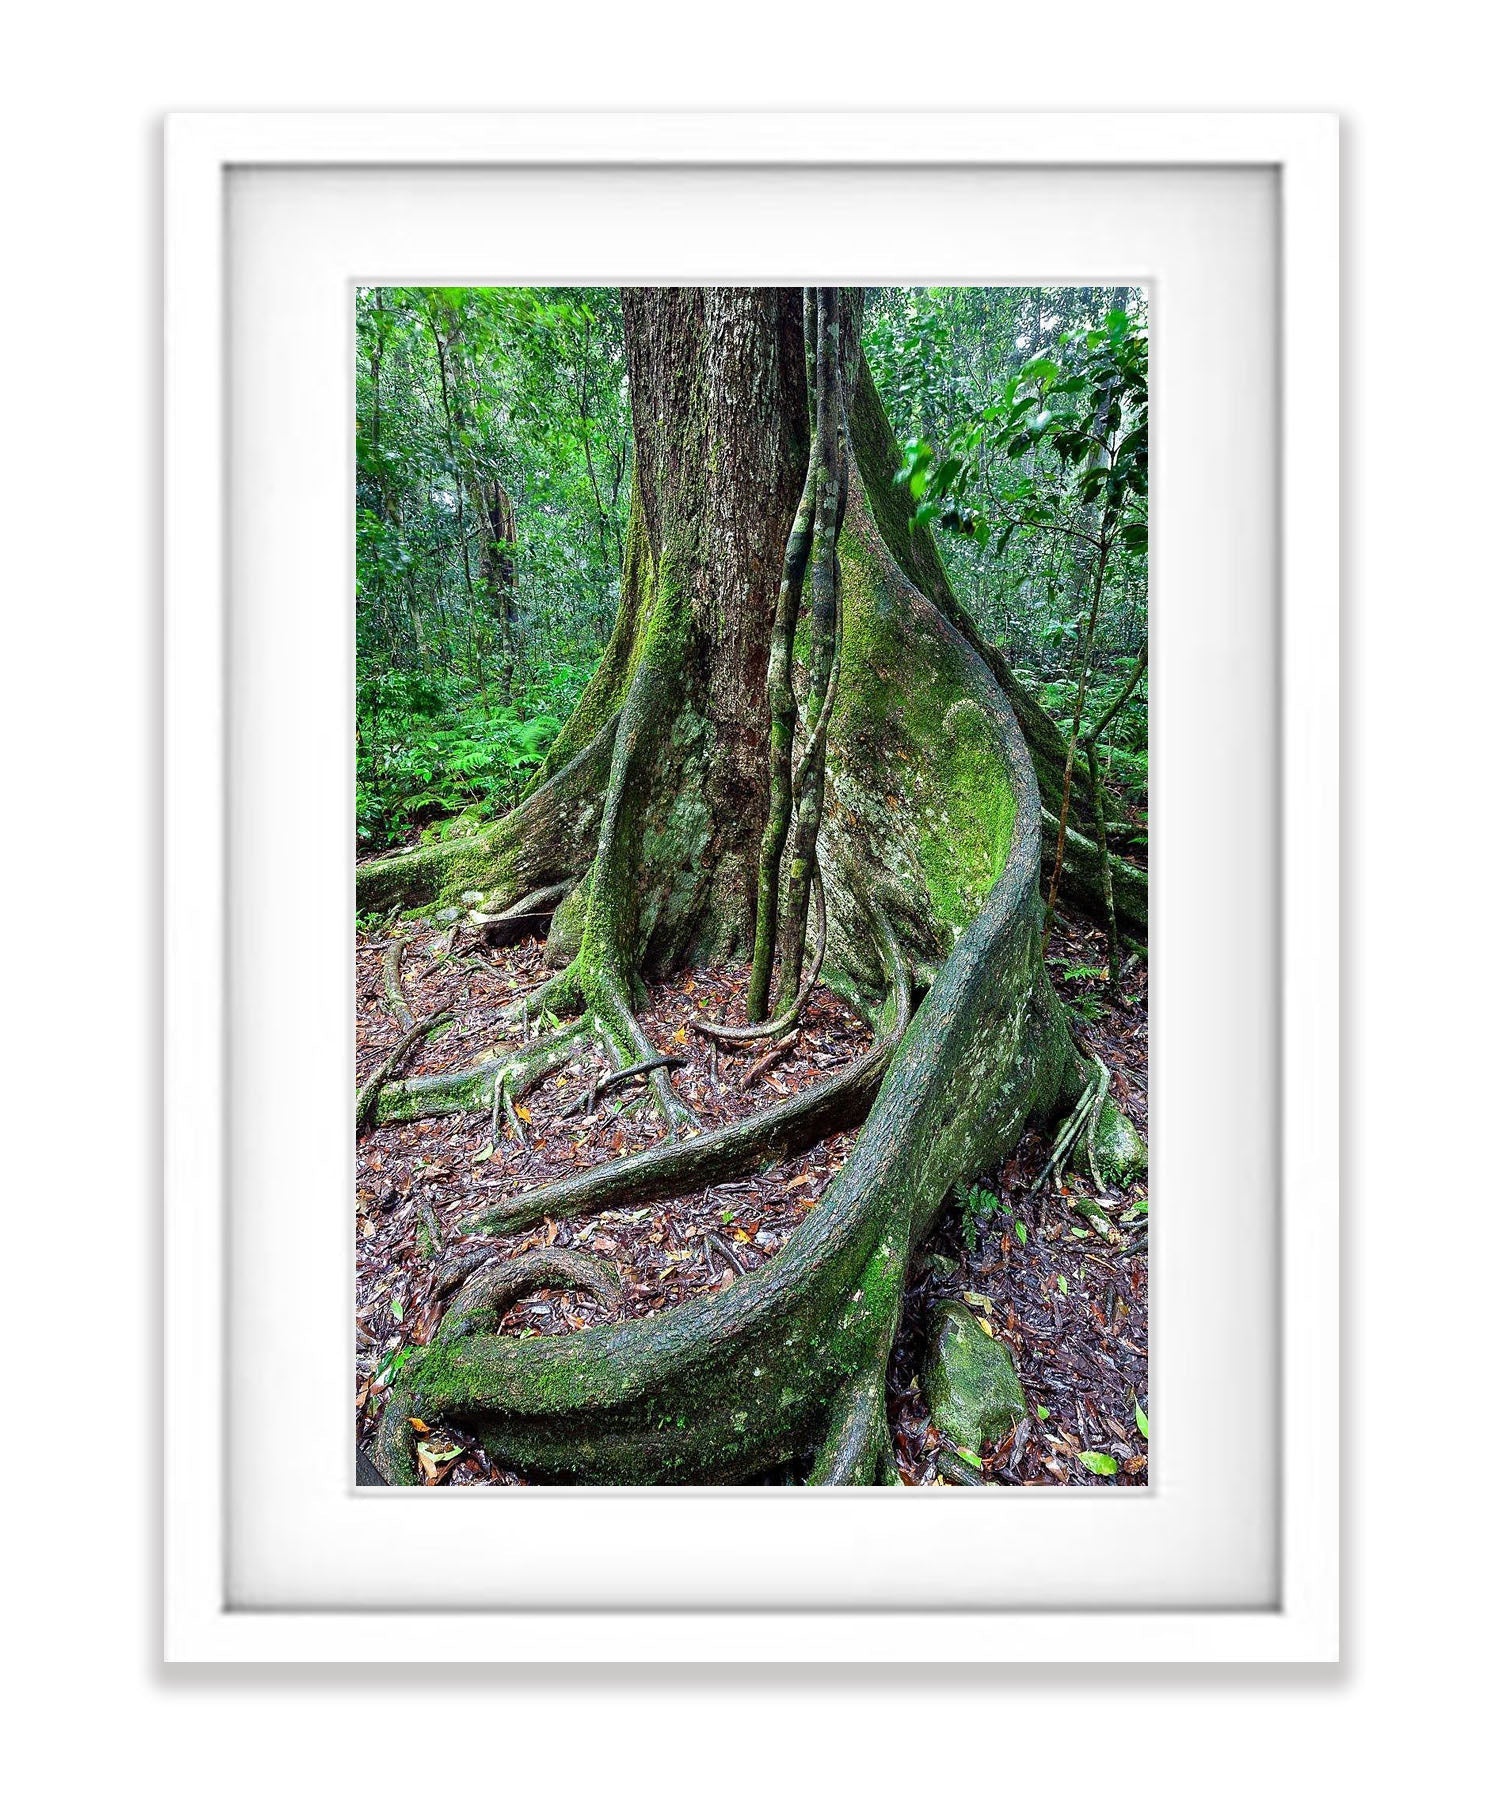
497	568
654	801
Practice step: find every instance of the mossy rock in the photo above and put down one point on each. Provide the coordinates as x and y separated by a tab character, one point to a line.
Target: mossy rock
1119	1148
969	1380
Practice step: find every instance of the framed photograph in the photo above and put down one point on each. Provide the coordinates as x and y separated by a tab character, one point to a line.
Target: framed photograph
719	668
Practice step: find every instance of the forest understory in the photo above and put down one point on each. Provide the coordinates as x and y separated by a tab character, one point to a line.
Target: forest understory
1065	1290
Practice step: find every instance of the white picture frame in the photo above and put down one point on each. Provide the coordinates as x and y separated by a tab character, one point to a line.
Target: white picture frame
204	1618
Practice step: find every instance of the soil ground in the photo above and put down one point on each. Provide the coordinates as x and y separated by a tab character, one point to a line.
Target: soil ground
1071	1305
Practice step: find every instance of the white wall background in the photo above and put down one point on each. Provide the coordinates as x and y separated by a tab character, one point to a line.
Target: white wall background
84	88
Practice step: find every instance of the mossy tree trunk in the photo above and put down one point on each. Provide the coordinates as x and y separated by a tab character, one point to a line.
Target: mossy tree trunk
654	801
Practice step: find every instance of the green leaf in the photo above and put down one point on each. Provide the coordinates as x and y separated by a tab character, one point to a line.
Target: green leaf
1040	369
397	1309
1097	1463
967	1456
1044	1412
1062	1284
1020	1232
947	473
1142	1424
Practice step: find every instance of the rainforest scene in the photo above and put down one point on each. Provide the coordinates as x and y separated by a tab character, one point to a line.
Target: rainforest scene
751	846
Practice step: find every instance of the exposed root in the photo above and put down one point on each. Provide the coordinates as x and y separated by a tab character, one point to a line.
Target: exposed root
502	1095
858	1443
390	975
539	900
637	1071
482	1303
557	994
1094	1215
1090	1135
682	1166
367	1100
1083	880
458	1269
619	1025
723	1154
491	1291
825	636
952	1467
715	1245
484	968
474	1089
429	1232
749	1034
1072	1129
527	917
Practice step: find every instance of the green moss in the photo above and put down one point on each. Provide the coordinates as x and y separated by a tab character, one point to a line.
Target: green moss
565	937
969	1380
1118	1147
906	695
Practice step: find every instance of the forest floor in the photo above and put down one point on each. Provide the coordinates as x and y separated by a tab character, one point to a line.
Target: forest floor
1071	1306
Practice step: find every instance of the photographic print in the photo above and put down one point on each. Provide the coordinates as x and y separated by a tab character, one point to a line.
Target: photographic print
751	847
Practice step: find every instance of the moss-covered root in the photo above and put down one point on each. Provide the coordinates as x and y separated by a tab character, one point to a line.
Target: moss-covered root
630	1045
479	1306
734	1382
474	1089
691	1163
857	1450
491	1291
367	1100
547	839
1084	883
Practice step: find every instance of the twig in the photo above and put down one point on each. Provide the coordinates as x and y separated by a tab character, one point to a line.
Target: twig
771	1056
478	962
715	1242
602	1086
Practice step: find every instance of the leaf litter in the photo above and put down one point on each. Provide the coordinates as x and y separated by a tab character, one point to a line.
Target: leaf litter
1072	1309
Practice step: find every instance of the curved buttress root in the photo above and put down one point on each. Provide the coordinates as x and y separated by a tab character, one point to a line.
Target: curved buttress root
491	1291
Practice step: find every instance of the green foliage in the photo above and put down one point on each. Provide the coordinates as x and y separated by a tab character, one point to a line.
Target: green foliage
492	482
976	1205
1088	1009
1097	1463
1024	413
491	487
430	754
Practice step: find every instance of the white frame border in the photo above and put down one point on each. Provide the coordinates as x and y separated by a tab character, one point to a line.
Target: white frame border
201	148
